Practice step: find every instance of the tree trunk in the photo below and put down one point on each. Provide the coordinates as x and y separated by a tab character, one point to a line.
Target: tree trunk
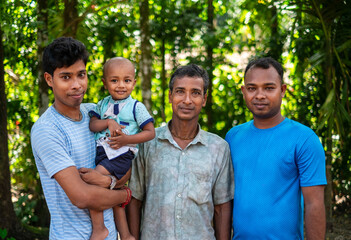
70	18
41	43
209	50
328	192
329	188
330	85
41	209
145	60
163	79
275	46
8	217
163	57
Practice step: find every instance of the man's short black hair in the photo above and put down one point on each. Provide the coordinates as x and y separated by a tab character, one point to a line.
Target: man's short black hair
265	63
63	52
191	70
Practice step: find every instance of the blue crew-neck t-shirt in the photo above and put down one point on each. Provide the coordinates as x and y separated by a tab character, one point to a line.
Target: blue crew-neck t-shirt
270	167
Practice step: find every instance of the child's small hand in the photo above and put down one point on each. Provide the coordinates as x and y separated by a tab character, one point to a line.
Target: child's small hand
113	126
120	140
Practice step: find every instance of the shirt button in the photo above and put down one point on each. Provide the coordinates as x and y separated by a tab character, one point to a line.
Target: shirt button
183	153
179	195
178	217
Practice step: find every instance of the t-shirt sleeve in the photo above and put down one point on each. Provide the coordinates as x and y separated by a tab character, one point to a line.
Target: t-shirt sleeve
224	185
137	179
96	110
49	147
311	162
142	116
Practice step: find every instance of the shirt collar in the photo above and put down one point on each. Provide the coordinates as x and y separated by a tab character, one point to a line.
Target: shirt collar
200	137
121	100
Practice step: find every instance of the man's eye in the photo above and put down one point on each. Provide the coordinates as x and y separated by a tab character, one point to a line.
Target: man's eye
81	75
127	80
66	77
113	80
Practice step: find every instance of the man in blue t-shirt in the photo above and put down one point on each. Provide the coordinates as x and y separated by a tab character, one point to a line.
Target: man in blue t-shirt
62	143
276	161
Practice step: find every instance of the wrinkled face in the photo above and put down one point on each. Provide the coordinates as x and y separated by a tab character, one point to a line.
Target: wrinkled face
263	92
119	80
187	98
69	84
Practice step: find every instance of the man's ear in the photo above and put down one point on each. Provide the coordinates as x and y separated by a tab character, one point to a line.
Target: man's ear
48	78
169	96
242	89
204	100
283	88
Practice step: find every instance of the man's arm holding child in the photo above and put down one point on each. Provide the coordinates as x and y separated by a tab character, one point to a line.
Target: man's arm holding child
94	177
84	195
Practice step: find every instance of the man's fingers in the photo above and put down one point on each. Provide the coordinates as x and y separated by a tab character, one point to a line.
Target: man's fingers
84	170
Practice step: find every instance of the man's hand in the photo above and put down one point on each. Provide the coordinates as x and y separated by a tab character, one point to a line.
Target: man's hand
91	176
94	177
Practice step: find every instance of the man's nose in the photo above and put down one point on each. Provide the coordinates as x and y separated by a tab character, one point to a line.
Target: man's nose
260	94
187	98
76	83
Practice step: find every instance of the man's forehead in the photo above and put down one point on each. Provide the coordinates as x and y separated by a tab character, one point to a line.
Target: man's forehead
254	71
69	71
189	82
78	66
262	76
260	83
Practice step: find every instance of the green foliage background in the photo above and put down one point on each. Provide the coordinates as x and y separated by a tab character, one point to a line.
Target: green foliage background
311	38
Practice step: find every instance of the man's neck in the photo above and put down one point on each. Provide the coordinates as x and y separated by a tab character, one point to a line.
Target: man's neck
72	113
184	127
264	123
183	132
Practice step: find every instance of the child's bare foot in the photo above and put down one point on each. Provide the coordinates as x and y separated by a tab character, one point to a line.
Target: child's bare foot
99	234
129	237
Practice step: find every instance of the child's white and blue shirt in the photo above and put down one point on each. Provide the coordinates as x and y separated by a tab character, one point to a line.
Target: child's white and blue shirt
127	112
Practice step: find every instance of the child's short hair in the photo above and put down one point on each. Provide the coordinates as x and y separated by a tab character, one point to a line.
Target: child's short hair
63	52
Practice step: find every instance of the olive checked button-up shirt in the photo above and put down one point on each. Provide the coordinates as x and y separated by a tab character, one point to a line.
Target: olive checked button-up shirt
179	187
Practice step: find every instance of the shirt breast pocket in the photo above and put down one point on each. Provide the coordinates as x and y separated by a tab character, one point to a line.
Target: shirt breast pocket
199	185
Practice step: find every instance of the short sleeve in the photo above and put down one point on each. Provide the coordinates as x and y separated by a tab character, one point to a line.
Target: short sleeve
49	147
223	190
142	116
311	162
97	110
137	179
